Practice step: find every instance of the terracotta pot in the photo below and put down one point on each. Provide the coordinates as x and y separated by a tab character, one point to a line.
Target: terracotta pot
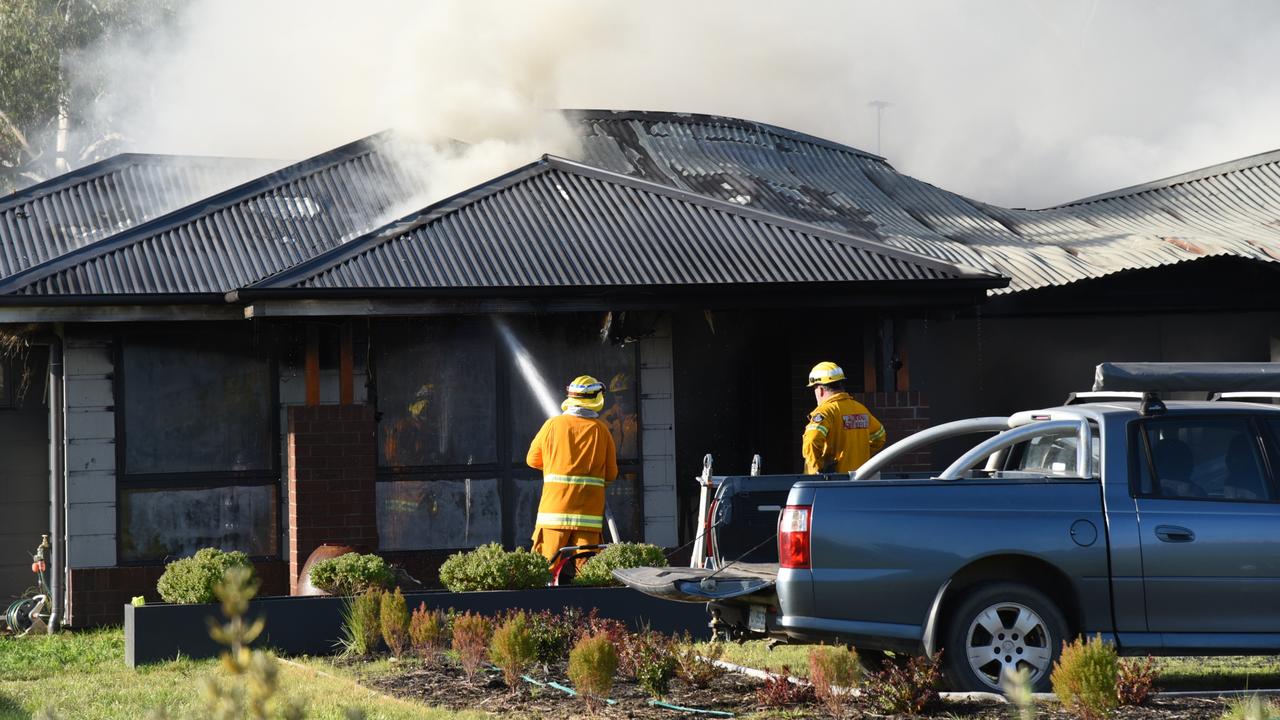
324	552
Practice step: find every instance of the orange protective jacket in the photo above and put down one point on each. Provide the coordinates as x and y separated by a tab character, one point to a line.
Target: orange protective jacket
578	459
841	435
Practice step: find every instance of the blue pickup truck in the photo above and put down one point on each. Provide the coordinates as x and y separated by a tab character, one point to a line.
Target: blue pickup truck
1156	524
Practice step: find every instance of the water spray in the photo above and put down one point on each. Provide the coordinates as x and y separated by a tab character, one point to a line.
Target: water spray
542	392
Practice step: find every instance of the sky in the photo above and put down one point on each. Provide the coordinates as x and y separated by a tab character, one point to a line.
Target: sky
1023	103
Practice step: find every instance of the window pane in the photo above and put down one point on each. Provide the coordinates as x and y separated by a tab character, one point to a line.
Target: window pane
438	514
1056	455
562	348
1207	458
196	405
160	523
435	393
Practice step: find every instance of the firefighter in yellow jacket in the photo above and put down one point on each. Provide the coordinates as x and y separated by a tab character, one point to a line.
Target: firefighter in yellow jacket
577	457
841	434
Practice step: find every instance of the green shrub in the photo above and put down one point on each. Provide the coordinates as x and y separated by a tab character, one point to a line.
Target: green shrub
592	663
191	579
553	634
395	622
361	623
1136	680
1084	678
428	631
489	567
908	689
651	659
471	641
513	648
599	569
1251	708
832	671
352	574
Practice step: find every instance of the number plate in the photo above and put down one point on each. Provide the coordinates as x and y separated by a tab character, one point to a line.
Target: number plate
755	620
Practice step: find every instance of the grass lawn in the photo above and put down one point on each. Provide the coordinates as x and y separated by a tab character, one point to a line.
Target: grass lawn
82	675
1176	673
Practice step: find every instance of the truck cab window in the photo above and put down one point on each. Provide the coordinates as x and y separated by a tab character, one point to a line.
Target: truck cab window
1052	455
1206	459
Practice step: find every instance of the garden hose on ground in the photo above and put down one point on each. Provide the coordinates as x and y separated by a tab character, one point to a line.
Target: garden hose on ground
655	703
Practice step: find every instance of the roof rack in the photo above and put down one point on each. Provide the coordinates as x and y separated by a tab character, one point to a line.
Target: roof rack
1080	398
1187	377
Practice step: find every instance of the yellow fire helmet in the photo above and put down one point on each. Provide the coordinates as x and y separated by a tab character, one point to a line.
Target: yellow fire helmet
824	373
585	392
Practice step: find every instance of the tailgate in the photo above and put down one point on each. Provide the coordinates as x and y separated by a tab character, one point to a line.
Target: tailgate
701	585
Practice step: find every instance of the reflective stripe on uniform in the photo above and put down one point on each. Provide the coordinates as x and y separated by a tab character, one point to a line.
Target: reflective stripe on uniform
820	428
570	520
582	480
877	434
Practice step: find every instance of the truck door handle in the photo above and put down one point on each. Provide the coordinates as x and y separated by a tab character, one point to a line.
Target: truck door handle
1174	534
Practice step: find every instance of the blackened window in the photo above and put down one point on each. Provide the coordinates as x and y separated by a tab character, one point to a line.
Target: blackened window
198	444
6	385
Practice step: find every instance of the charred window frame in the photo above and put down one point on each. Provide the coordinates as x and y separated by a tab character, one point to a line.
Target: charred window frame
257	484
517	486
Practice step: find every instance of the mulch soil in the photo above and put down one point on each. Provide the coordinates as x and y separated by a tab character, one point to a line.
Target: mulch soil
442	683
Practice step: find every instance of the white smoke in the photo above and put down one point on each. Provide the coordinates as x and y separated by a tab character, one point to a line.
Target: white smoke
1017	102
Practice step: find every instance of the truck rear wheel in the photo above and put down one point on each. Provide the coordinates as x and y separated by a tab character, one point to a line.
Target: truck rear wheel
998	628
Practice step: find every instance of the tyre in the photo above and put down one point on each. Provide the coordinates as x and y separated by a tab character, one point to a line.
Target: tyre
998	628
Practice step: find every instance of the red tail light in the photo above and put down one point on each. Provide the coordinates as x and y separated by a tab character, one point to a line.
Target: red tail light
793	537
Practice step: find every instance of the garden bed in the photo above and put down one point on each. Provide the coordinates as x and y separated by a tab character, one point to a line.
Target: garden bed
313	625
442	683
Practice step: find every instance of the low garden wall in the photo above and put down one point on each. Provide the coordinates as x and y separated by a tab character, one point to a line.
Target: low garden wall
313	625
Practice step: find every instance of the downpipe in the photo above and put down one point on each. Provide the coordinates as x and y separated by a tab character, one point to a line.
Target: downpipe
57	479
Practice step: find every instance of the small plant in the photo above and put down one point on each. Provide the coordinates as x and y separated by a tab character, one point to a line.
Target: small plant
592	663
428	631
489	567
513	649
394	617
1251	708
361	623
907	689
254	679
650	658
471	642
1017	688
833	671
351	574
778	691
1135	681
1084	678
552	634
599	569
192	579
690	665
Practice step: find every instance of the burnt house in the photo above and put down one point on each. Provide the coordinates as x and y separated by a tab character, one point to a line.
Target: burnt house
319	355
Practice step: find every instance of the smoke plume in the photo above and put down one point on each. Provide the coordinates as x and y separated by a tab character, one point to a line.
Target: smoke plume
1016	102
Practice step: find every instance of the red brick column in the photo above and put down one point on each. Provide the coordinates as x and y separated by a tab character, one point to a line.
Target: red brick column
332	466
902	414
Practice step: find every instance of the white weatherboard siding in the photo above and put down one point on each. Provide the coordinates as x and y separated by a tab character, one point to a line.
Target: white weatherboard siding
657	437
91	450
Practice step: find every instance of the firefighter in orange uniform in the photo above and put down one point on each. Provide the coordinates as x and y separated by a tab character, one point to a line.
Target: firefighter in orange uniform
842	433
577	457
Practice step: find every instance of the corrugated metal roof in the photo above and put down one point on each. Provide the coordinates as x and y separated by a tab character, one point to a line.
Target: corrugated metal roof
44	221
560	224
239	236
1230	209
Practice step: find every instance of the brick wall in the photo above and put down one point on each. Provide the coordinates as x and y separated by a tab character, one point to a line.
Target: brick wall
97	595
332	467
902	414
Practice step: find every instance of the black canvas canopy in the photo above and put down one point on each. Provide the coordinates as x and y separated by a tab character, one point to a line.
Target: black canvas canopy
1188	377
